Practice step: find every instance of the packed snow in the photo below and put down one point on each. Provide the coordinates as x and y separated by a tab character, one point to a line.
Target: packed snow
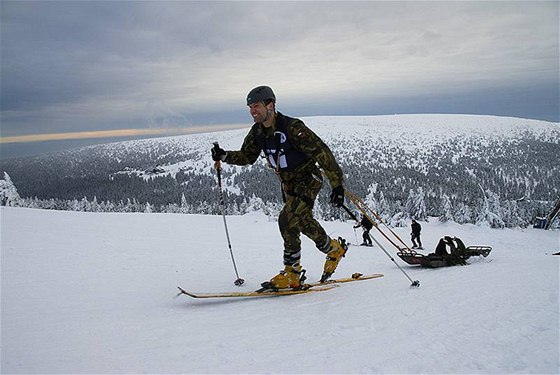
94	293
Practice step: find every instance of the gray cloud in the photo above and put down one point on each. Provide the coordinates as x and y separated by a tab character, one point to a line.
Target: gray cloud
97	65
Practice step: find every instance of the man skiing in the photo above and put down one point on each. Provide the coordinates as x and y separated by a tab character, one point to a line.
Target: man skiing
415	235
366	225
294	151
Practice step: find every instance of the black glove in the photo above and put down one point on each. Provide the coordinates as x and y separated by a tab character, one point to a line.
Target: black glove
337	196
218	153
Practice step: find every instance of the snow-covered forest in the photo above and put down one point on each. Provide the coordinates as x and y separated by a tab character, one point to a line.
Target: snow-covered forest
496	171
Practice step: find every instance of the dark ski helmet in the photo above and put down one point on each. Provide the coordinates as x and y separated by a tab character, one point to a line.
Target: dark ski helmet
260	94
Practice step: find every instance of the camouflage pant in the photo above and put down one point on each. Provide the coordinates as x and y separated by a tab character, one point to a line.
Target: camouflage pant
296	217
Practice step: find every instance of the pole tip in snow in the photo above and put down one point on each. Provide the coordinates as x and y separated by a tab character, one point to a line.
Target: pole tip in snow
415	284
239	282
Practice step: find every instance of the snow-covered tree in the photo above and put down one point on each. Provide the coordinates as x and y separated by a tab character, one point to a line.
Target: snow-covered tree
184	204
489	211
370	200
74	205
398	220
463	215
84	205
94	205
254	204
415	207
447	214
511	216
8	193
203	208
107	206
385	211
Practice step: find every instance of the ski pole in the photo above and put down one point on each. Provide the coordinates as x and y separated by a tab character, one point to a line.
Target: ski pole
218	167
359	203
353	217
415	283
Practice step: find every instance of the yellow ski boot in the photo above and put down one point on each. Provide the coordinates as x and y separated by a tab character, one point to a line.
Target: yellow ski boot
291	277
337	251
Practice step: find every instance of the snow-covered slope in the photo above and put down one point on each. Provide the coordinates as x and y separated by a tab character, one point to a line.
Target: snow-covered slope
458	156
93	293
348	134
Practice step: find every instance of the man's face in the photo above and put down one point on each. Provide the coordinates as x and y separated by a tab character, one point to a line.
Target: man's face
259	111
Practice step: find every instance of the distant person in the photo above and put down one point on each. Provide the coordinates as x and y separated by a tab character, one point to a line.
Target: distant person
366	225
415	234
295	153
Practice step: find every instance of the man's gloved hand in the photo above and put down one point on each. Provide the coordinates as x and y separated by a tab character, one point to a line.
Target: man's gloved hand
337	196
218	153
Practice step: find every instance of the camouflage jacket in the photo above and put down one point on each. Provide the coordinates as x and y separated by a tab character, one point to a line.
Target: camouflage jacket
302	139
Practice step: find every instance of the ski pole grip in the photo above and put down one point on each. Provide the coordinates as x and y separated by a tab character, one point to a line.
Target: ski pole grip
217	163
216	145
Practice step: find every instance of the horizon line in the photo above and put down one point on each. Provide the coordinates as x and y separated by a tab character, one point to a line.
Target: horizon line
117	133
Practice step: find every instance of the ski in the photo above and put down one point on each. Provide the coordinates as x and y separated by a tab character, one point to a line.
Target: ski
281	292
307	288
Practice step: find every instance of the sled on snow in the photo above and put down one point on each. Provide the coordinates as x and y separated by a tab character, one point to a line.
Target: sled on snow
441	257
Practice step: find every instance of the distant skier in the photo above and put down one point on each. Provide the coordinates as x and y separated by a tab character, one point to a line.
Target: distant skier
415	234
366	225
294	151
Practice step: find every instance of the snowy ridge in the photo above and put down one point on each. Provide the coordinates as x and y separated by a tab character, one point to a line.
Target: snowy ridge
395	128
443	124
344	134
424	133
458	156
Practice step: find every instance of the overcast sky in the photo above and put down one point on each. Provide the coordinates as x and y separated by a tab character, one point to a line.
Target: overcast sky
73	66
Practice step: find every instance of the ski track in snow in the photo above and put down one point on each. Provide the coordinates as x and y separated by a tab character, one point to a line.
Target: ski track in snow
93	293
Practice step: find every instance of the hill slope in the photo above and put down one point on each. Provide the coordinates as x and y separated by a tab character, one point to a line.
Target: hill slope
391	159
92	293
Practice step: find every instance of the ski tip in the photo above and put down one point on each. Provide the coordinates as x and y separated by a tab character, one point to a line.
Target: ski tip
183	291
